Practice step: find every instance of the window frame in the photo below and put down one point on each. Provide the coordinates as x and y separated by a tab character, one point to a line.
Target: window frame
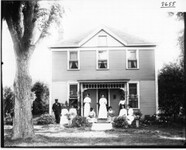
68	60
138	92
68	90
97	59
127	59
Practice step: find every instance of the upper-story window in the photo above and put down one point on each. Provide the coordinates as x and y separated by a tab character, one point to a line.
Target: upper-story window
102	40
73	60
132	59
102	56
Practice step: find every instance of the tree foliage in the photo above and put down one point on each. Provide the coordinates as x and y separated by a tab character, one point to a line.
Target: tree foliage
28	22
8	101
171	89
40	104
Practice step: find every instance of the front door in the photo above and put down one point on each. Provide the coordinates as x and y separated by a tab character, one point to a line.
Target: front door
100	93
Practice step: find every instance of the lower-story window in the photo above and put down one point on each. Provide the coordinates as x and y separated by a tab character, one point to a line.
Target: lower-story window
133	95
73	95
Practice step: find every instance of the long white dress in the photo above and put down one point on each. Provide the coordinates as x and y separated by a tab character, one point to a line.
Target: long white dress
87	102
130	116
102	108
64	118
123	112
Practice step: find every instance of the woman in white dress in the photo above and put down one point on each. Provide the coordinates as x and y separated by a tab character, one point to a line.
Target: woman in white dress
123	111
130	115
64	116
87	102
102	108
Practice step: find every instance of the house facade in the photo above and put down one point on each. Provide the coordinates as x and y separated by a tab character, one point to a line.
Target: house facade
108	62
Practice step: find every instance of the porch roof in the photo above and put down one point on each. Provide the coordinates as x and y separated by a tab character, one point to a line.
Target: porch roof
104	81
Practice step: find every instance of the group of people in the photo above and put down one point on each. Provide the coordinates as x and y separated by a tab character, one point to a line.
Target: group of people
110	114
63	116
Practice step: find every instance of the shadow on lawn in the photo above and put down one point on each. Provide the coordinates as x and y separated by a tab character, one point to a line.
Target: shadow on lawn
143	136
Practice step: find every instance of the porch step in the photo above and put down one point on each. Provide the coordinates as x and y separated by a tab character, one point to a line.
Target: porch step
101	126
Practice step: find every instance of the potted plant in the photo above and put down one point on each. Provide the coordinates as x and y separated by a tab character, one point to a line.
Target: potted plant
138	115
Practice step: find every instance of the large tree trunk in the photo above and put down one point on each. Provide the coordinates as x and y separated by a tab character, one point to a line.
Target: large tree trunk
22	122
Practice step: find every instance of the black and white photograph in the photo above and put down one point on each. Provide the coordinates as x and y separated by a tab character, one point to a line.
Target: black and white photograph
93	74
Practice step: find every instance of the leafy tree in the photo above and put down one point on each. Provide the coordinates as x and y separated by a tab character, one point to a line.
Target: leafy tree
41	91
28	22
8	101
171	89
40	104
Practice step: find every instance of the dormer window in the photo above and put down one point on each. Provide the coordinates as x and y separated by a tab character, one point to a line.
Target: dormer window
73	60
102	40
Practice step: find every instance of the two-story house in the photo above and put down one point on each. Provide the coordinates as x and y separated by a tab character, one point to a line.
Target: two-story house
108	62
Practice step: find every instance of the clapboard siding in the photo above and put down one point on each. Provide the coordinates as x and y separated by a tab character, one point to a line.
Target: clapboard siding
147	97
117	66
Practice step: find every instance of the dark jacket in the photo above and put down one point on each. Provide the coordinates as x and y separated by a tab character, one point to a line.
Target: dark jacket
56	108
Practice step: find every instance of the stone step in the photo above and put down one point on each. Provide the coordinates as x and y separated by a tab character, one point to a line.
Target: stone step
101	126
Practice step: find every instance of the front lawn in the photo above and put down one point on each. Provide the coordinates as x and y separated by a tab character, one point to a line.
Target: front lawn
57	136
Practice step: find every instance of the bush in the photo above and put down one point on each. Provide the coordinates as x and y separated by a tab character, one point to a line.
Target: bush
80	121
8	120
45	119
120	122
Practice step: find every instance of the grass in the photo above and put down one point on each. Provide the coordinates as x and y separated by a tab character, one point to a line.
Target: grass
57	136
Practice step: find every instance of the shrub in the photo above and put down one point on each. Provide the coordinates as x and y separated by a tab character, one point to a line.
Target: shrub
45	119
137	115
8	120
80	121
120	122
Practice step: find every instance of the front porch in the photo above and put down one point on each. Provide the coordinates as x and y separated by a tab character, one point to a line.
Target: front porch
113	90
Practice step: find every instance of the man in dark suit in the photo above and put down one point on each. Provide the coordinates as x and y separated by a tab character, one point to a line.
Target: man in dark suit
57	110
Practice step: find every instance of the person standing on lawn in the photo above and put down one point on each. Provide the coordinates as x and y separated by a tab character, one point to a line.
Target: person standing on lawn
102	109
87	102
57	110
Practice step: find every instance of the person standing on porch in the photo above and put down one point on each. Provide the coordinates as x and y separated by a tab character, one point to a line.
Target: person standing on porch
122	102
102	109
87	102
57	110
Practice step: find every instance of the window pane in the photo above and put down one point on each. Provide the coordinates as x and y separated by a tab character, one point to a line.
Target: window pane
73	56
102	40
132	55
73	64
133	95
73	91
132	63
102	55
102	63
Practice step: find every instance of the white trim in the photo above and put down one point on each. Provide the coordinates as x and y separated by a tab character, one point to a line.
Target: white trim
99	48
51	86
99	30
156	84
68	58
137	56
68	89
97	102
97	60
108	97
138	92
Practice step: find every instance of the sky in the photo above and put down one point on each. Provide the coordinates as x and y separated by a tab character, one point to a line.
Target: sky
82	15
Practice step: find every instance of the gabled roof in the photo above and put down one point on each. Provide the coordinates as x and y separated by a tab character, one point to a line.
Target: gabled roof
124	38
